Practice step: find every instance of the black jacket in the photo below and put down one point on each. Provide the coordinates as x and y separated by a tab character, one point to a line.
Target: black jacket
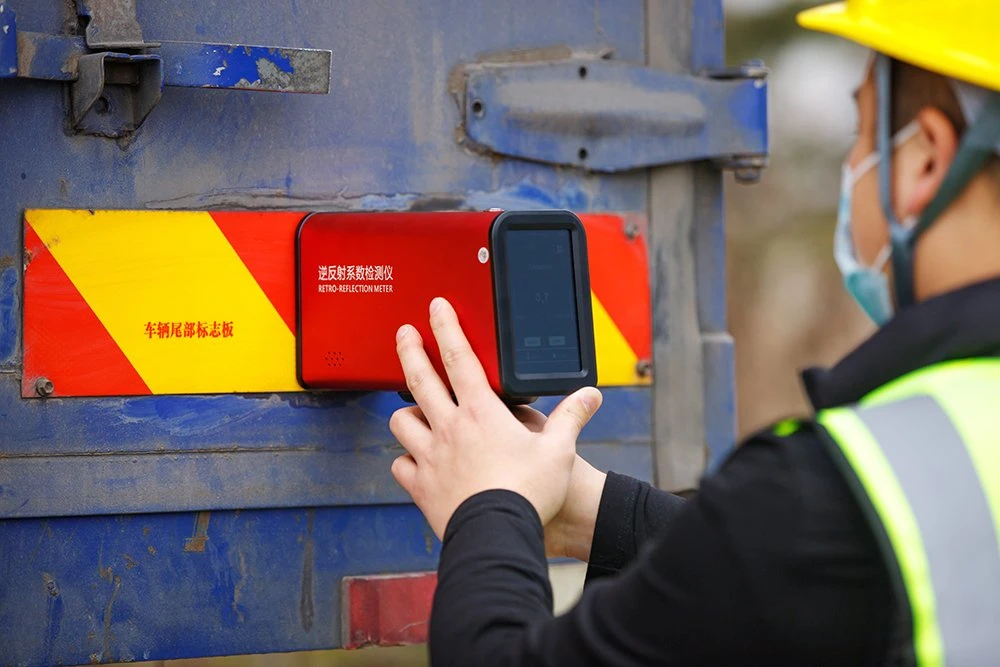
771	563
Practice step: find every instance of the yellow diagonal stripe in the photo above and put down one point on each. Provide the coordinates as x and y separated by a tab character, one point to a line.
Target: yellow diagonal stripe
616	362
142	269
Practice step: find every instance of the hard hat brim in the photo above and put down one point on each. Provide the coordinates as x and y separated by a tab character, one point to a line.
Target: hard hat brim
906	41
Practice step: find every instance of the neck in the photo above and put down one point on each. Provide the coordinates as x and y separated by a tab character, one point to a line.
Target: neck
962	247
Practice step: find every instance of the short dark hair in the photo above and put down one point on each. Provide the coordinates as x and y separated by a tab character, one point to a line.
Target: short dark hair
915	88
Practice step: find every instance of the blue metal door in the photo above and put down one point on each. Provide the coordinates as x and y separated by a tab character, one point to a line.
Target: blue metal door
166	526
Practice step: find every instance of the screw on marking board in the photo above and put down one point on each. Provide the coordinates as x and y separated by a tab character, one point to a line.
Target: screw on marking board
644	368
632	231
484	255
44	387
478	110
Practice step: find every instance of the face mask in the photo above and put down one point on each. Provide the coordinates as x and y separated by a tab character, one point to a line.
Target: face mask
866	284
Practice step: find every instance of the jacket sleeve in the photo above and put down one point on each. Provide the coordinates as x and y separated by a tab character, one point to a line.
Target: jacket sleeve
772	562
631	513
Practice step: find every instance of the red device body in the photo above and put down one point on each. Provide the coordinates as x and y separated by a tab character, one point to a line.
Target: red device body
519	282
347	335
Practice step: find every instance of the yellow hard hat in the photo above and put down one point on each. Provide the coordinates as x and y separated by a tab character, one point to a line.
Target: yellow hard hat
956	38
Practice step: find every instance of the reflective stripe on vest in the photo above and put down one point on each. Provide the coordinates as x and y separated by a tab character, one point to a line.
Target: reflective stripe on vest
926	451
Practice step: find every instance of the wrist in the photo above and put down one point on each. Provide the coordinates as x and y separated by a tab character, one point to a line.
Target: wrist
582	507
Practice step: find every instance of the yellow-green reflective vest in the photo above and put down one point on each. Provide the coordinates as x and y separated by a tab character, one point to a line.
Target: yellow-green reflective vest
923	454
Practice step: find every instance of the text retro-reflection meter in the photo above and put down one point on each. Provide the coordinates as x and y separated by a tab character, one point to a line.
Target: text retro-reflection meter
519	282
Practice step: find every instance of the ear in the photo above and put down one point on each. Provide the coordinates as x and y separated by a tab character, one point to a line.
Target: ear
933	153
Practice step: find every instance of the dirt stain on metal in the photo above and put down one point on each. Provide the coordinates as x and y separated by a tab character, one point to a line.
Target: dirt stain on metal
130	562
238	588
306	609
106	650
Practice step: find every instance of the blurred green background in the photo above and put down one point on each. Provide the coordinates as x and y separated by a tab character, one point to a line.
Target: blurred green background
786	305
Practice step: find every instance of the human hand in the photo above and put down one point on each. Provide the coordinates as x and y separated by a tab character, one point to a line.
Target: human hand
571	531
458	450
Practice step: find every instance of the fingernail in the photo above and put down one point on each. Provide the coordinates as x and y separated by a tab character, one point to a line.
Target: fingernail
436	304
403	332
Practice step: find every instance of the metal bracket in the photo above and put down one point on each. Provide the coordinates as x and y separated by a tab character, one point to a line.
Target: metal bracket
608	116
111	24
113	91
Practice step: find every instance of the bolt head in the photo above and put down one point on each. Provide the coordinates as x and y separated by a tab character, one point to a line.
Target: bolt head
44	387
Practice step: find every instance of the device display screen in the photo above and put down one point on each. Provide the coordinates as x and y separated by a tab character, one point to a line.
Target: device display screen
543	302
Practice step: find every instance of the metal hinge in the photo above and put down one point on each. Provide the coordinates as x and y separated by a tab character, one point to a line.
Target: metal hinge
116	77
607	116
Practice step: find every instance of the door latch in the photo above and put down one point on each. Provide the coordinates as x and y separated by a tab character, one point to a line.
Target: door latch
594	113
117	78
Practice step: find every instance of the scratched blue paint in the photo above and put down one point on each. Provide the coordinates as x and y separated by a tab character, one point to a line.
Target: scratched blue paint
718	118
119	589
8	42
385	140
220	66
198	459
8	315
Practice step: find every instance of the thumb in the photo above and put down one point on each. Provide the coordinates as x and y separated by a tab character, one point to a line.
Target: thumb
404	470
573	413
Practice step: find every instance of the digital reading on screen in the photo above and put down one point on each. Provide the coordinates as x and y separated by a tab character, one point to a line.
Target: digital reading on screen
543	302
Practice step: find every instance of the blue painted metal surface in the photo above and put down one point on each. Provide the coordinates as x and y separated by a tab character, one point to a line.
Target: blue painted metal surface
109	589
384	138
8	316
189	64
298	485
612	116
8	42
239	67
719	360
230	452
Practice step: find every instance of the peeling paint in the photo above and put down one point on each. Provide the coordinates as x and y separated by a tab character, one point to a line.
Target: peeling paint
196	543
238	588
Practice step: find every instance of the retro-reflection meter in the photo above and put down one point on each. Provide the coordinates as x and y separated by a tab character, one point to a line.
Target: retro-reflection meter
519	282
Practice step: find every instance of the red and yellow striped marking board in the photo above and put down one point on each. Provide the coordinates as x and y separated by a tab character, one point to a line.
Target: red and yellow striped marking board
120	303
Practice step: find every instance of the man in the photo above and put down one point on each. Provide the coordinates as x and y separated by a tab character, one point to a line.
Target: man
865	536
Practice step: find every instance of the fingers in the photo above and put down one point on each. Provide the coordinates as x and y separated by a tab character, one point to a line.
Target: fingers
413	433
404	471
422	380
464	370
573	413
531	418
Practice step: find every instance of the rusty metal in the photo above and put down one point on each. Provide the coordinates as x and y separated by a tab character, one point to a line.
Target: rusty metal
115	93
196	543
111	24
114	53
